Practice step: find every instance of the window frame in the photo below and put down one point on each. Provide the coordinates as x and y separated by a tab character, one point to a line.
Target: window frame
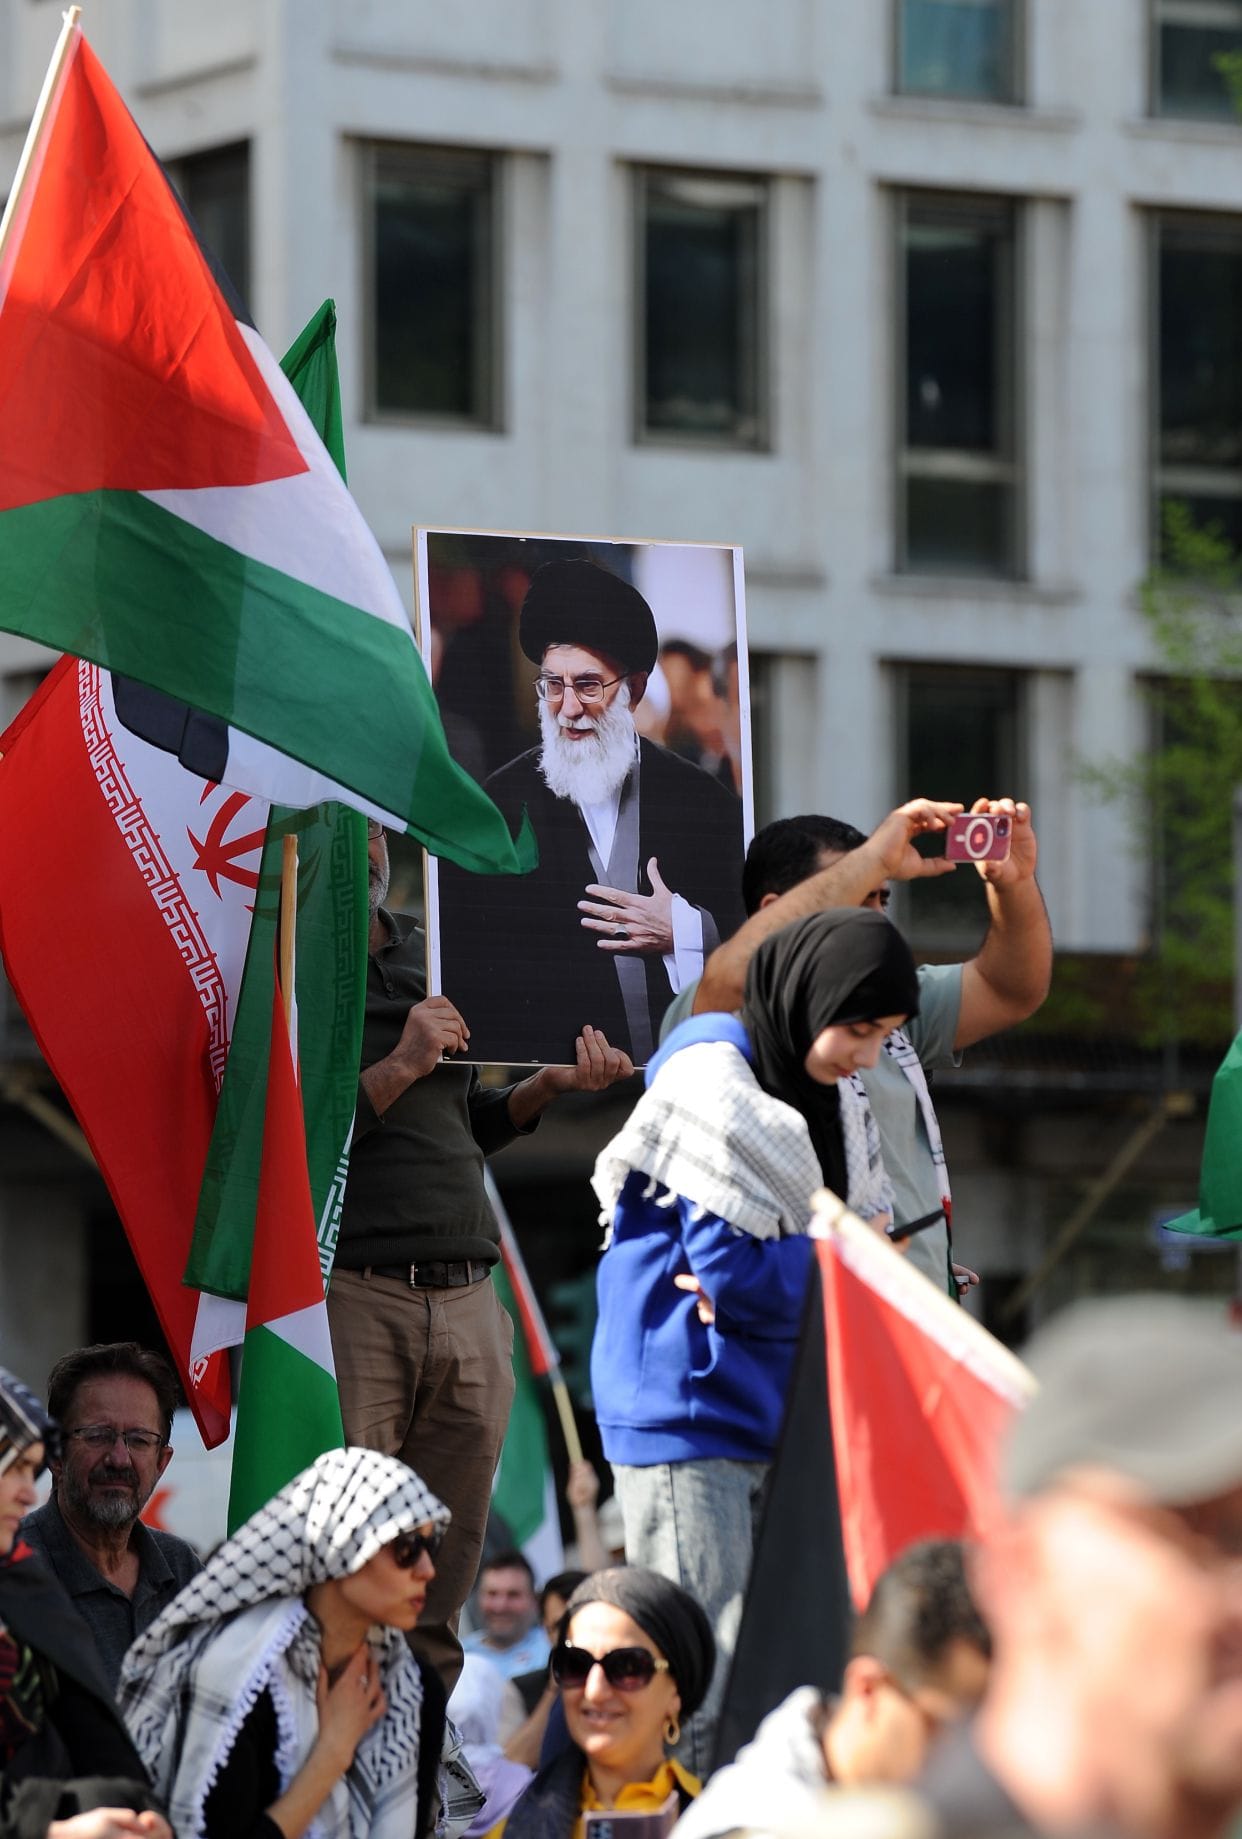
642	173
1016	94
1176	481
488	332
175	172
1159	13
950	464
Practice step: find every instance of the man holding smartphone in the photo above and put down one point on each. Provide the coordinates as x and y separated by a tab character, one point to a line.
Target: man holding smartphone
800	865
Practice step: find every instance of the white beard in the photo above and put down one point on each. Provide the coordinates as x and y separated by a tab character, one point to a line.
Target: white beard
588	772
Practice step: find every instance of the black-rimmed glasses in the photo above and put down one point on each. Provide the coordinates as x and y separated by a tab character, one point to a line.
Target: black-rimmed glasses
628	1669
408	1547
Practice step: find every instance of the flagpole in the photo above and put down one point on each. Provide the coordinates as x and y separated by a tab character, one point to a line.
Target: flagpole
288	924
67	30
565	1411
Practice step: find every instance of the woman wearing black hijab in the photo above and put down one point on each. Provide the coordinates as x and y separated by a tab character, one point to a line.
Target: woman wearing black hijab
701	1289
634	1657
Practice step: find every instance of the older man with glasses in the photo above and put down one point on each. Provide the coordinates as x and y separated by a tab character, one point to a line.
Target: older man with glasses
115	1404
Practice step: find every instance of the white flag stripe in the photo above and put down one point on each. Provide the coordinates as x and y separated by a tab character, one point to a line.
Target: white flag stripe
308	527
256	768
307	1331
220	1322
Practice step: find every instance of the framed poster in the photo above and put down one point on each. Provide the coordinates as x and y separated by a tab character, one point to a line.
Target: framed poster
599	689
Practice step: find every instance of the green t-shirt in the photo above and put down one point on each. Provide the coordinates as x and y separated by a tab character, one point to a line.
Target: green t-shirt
898	1114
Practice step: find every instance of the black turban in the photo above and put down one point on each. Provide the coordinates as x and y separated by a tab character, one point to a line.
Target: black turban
576	602
846	965
23	1421
668	1614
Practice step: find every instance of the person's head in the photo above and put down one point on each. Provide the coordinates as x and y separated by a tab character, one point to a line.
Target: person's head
919	1658
822	993
28	1437
115	1403
508	1606
377	866
1113	1585
791	850
594	640
634	1662
553	1599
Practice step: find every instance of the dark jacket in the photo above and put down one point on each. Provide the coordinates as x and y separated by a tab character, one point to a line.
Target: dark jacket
514	955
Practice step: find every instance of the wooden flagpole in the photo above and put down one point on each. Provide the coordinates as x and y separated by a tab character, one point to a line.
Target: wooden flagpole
565	1411
35	131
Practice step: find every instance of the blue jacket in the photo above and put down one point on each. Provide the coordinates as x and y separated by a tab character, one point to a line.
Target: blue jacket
667	1387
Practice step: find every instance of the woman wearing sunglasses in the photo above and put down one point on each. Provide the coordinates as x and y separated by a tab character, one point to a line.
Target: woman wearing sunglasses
634	1658
277	1689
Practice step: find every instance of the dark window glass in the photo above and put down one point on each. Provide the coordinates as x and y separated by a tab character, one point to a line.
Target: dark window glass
432	284
1194	40
961	48
215	188
962	740
1198	339
701	258
958	509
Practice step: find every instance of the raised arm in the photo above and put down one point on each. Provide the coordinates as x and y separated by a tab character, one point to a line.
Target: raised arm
887	855
1011	975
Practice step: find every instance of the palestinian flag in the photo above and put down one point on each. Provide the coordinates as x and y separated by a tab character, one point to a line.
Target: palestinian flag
288	1410
896	1406
168	513
524	1492
330	983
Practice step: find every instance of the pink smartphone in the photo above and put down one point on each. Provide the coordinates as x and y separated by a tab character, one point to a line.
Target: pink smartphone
977	837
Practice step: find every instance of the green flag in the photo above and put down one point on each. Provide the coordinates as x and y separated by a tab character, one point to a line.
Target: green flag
1219	1213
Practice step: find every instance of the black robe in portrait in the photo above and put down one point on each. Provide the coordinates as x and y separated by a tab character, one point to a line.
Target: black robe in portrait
514	955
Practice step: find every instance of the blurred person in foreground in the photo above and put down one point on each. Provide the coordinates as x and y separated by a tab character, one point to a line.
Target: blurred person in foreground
1112	1587
277	1694
918	1662
635	1657
67	1767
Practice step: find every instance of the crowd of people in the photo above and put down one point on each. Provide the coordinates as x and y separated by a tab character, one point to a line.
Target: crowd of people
1077	1669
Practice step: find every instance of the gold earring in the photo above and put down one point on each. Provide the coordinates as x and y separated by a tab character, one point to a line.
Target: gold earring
672	1730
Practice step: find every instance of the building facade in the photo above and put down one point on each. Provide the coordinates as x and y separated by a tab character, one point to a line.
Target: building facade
929	304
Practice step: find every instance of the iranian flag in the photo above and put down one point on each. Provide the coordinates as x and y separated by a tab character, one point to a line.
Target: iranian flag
288	1410
167	511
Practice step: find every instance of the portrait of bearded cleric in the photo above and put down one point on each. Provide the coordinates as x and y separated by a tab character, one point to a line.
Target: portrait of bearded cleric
598	690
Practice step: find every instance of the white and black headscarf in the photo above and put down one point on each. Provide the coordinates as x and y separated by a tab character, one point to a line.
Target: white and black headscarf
23	1421
241	1627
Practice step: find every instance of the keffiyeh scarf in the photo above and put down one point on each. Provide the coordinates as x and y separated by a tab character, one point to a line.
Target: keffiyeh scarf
707	1131
241	1627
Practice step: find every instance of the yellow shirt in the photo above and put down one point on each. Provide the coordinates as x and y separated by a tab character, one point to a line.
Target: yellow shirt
636	1797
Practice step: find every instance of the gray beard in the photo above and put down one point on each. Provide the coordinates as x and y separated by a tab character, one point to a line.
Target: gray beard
111	1510
377	888
588	772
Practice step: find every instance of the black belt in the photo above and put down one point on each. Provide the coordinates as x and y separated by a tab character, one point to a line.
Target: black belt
437	1275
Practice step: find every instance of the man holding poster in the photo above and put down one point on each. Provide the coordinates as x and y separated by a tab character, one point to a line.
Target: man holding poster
639	850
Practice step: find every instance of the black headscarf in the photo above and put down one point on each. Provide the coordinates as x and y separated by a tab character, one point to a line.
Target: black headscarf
668	1614
846	965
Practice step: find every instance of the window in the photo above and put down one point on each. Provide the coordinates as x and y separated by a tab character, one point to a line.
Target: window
1197	395
958	501
215	189
700	308
432	293
1194	45
960	737
962	48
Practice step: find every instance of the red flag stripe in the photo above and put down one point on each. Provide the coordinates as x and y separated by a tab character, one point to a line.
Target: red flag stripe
541	1352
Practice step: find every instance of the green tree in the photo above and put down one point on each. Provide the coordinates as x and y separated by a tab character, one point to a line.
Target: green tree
1179	794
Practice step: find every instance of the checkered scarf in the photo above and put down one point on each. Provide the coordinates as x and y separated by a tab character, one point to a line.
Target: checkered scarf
241	1628
23	1421
708	1131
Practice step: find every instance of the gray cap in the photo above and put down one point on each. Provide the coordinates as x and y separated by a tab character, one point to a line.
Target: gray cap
1149	1387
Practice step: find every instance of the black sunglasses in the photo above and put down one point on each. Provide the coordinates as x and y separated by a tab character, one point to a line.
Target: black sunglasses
629	1669
408	1547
